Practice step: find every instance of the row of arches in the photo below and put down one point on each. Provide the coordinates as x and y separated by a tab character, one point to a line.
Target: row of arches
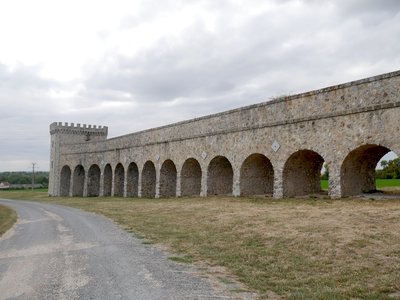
300	176
257	178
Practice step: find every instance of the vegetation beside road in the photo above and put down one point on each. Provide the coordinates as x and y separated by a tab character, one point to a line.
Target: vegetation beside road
24	177
293	248
7	218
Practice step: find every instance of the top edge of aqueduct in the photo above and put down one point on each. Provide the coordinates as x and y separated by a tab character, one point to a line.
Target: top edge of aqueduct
273	101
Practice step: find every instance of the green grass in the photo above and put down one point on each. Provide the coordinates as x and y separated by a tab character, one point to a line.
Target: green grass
291	248
26	194
182	259
324	184
380	183
7	218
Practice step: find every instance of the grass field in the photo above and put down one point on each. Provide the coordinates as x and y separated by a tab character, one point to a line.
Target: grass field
324	184
289	249
380	183
7	218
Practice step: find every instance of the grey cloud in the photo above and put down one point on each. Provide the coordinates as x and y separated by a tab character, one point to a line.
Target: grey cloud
26	112
22	77
235	66
199	65
369	6
203	71
369	12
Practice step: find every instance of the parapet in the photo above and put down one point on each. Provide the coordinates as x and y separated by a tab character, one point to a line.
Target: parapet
81	129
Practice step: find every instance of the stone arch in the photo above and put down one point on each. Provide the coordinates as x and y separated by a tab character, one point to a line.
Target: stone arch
119	179
219	176
168	179
256	176
107	180
65	181
191	178
302	173
149	180
357	173
93	186
132	180
78	181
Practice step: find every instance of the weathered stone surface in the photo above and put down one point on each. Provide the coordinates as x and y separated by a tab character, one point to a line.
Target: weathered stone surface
349	127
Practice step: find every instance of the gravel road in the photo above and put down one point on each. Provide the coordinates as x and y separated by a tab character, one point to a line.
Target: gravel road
57	252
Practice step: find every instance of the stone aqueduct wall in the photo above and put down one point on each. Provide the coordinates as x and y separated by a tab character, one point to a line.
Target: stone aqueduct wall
273	148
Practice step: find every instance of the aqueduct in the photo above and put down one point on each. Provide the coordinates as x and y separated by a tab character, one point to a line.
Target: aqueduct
273	148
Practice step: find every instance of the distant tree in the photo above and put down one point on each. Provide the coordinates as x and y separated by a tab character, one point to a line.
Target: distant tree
24	177
391	169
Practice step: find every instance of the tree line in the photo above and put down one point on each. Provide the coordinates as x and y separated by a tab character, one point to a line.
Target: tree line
390	169
25	177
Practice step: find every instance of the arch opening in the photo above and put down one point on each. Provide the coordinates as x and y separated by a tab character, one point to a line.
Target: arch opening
78	182
191	178
93	186
107	180
132	180
256	176
119	179
148	180
325	178
65	181
302	174
358	171
219	176
168	179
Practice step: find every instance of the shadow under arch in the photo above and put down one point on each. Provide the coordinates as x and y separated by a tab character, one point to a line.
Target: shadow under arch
256	176
219	176
119	179
132	180
78	181
149	180
357	173
93	185
168	176
191	178
302	173
107	180
65	181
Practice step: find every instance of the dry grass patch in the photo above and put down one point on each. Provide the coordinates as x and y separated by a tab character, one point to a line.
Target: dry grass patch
296	248
7	218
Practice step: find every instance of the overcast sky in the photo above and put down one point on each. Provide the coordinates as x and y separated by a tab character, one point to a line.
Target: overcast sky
132	65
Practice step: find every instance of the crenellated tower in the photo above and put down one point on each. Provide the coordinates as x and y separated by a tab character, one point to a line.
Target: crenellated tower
64	134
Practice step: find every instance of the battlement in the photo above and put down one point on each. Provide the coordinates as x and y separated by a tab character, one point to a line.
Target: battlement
81	129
